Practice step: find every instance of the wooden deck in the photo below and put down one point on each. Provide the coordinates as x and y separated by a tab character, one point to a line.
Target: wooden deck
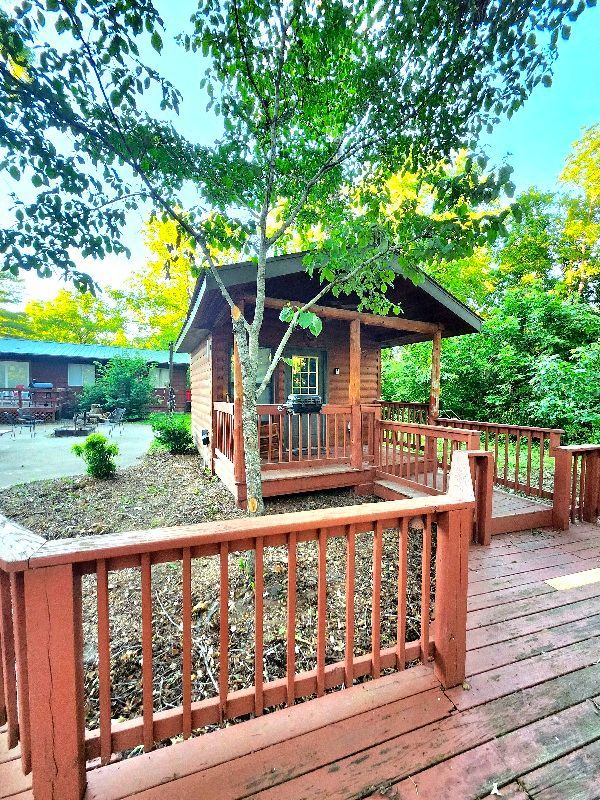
526	722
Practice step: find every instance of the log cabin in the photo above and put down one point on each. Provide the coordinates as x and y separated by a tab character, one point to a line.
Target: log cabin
333	446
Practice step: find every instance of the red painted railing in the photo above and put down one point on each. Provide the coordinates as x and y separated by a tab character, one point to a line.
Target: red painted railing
47	605
294	438
414	413
420	455
223	430
523	456
577	484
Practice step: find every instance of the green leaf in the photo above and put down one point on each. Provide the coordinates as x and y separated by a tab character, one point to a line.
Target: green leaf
286	314
14	173
156	41
37	181
316	326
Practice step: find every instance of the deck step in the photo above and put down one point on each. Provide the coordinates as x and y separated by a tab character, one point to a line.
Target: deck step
382	488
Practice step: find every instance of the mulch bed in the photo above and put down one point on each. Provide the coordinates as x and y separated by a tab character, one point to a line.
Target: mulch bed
168	490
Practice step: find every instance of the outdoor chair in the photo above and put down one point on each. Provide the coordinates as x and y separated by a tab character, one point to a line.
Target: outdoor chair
26	419
114	420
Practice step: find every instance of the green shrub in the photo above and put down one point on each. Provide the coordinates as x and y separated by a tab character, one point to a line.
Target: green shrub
98	453
121	383
172	431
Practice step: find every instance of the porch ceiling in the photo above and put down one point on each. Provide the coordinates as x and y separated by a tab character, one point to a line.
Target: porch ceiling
426	302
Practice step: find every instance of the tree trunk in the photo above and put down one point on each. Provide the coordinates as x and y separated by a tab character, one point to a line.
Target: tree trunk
255	502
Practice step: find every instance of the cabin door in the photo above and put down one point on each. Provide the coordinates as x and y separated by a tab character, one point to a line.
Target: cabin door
305	374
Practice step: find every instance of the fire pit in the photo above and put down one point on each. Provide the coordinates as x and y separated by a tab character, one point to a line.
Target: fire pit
72	431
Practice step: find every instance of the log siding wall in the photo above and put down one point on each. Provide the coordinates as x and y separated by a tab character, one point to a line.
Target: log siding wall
334	339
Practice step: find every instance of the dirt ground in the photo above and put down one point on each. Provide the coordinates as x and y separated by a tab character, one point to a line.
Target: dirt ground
171	490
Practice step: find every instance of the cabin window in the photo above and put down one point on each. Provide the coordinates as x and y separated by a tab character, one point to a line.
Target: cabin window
159	377
305	375
82	374
264	361
14	373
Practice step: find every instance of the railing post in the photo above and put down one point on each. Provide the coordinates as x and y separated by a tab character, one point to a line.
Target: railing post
356	444
483	467
55	662
8	693
561	499
454	530
590	501
554	442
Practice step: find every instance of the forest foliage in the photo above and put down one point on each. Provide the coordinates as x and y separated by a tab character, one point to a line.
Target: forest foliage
537	359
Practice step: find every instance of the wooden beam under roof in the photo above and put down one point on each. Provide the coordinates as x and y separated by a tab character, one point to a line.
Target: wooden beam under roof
393	323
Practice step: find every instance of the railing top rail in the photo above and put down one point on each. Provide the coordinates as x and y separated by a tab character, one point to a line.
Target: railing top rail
85	549
326	408
403	403
501	425
223	406
461	434
17	545
580	448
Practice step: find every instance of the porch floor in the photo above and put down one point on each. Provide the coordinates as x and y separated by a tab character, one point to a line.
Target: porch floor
527	720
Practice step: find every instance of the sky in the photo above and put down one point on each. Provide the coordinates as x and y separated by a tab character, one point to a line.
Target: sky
535	141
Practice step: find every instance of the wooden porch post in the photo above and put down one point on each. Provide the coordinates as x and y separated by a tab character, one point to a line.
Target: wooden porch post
55	662
434	395
356	456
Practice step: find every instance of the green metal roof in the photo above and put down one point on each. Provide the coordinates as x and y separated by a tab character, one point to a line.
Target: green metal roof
87	352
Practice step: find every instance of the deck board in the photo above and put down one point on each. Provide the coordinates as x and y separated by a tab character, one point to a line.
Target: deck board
526	721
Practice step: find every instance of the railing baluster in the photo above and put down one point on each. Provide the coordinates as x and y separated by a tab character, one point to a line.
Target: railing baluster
223	629
376	600
290	422
445	465
321	611
104	681
186	619
147	672
529	438
506	442
270	443
280	437
258	627
291	621
425	589
541	472
517	457
335	436
582	468
402	593
574	488
350	579
319	423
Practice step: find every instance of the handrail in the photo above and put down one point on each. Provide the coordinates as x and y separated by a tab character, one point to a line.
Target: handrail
420	456
49	660
522	454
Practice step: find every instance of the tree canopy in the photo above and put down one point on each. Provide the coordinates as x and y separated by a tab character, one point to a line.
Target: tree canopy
322	103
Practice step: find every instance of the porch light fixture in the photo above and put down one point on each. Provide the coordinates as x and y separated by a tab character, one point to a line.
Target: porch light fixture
336	371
